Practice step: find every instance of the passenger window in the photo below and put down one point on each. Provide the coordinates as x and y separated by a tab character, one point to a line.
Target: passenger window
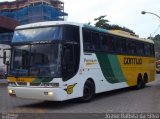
152	50
120	45
140	48
104	43
111	43
87	41
131	47
147	49
95	41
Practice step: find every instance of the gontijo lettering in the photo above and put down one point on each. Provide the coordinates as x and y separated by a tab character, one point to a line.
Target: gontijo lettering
132	60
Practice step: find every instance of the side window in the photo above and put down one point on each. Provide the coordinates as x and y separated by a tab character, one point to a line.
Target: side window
104	42
123	45
107	42
152	50
140	48
91	40
134	50
147	49
131	47
71	33
111	43
120	45
87	41
95	41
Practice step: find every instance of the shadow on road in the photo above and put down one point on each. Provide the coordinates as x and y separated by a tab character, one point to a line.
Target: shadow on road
75	102
117	92
52	104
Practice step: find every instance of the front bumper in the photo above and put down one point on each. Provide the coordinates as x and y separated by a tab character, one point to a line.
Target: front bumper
50	94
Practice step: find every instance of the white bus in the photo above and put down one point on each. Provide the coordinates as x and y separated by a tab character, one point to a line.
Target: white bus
3	67
61	60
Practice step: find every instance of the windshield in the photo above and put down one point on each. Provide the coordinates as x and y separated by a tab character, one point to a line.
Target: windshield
36	51
38	34
36	60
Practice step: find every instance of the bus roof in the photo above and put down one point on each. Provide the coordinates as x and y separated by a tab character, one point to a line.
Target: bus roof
47	23
113	32
118	33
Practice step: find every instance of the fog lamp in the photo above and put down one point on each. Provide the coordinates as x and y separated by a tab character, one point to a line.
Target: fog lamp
48	93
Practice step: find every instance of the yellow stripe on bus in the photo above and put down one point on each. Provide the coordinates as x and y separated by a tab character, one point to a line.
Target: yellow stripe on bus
21	79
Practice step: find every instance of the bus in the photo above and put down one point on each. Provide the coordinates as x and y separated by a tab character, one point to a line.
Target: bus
60	60
158	66
3	67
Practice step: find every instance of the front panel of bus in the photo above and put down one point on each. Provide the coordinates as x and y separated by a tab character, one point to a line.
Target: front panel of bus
42	59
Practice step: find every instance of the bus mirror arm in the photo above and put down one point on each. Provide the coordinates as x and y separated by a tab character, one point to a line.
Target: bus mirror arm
4	57
7	63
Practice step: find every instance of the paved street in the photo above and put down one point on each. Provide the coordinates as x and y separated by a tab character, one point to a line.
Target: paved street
123	100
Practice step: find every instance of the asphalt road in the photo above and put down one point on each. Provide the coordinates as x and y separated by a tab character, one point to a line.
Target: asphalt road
126	100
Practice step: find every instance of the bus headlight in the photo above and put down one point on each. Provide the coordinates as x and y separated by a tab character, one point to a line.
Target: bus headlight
11	91
50	93
54	85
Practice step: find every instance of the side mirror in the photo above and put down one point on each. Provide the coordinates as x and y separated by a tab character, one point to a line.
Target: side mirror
6	56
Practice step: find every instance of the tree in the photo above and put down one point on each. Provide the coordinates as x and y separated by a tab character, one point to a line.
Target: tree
101	22
157	37
156	40
104	23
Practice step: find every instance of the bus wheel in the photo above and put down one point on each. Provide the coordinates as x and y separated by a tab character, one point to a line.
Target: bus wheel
88	91
145	80
139	82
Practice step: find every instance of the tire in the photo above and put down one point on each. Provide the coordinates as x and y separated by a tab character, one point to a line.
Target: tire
139	82
145	80
88	92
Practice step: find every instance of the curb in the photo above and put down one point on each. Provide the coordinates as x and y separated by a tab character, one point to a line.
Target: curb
3	82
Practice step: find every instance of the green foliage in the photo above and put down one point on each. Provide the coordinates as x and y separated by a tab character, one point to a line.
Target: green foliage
156	40
103	23
157	37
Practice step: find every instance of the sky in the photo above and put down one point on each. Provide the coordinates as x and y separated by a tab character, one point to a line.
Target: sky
126	13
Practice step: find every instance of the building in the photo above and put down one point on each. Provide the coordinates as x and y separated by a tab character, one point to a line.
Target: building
30	11
7	27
